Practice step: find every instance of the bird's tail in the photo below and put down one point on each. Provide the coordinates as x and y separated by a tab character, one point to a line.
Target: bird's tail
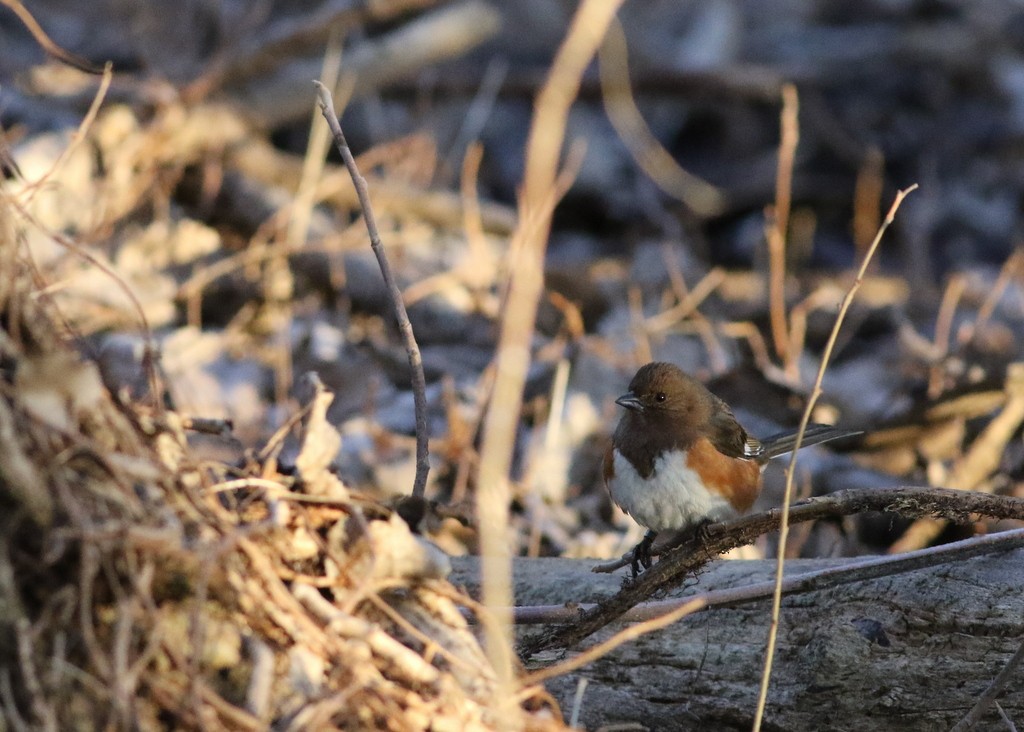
815	434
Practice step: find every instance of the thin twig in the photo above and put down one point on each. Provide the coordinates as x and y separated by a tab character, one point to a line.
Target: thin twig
789	137
989	696
687	305
525	284
659	164
78	138
867	199
1010	726
910	501
623	636
47	44
151	352
943	329
773	628
577	704
419	384
778	223
1012	268
858	570
319	144
472	222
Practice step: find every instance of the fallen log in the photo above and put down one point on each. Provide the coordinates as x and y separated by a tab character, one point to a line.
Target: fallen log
912	651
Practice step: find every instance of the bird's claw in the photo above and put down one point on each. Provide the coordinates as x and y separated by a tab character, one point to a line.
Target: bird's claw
706	530
642	553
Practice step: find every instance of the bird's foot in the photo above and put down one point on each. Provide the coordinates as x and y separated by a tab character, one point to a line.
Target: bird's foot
642	553
705	530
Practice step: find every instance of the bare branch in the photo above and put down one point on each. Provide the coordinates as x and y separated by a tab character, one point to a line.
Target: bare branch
857	570
419	384
911	502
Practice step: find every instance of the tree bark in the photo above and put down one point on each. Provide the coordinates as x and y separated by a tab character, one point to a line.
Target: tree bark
906	652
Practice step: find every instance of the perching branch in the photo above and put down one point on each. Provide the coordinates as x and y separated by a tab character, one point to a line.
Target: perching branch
857	570
419	383
910	502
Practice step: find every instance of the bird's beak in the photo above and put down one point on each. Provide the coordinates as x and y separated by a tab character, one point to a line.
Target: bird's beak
630	401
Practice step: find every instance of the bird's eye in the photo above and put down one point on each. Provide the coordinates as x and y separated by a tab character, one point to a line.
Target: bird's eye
659	397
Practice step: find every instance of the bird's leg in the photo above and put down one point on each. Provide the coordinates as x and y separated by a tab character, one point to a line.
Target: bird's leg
703	530
642	553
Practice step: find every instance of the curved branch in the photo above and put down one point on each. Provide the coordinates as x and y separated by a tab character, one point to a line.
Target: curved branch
857	570
696	551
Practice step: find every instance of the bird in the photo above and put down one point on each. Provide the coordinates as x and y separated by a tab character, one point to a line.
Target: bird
679	459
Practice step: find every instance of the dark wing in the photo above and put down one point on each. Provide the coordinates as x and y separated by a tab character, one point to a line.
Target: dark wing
728	437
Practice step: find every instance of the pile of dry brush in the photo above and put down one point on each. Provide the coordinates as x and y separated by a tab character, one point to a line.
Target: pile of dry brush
142	587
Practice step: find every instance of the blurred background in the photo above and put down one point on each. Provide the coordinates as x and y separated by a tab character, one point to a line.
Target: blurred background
707	133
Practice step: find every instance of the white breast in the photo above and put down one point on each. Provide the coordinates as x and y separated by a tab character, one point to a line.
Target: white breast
672	497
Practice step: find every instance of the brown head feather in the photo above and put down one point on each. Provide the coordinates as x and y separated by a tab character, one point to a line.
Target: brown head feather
669	409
